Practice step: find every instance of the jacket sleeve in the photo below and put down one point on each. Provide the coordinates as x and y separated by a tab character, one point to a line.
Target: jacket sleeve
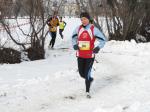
100	37
75	36
65	23
48	21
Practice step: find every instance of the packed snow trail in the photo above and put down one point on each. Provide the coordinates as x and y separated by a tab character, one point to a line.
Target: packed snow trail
114	87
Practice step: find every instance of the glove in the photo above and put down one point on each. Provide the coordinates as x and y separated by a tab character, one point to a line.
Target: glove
76	47
96	50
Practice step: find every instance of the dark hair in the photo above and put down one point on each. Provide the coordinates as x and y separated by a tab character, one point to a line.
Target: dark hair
85	14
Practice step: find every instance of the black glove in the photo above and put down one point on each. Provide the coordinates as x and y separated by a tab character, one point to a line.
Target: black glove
76	47
96	50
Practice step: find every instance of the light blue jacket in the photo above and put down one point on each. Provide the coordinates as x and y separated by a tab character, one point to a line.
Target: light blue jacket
97	34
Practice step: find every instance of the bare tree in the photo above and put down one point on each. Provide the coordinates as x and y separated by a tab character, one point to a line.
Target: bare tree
38	32
124	18
6	7
78	5
145	28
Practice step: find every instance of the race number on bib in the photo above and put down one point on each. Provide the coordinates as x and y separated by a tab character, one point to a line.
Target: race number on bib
84	45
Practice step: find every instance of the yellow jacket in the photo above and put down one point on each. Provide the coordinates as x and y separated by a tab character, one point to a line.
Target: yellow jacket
62	25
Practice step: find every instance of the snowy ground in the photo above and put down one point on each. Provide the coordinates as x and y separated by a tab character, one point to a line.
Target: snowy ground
121	72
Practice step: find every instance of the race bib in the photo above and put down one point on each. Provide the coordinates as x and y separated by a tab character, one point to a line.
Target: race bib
84	45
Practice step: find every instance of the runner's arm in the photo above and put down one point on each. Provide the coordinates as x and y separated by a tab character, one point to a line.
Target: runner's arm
65	24
100	37
75	36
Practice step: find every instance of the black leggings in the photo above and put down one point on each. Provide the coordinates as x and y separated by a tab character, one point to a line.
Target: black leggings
60	32
52	42
84	67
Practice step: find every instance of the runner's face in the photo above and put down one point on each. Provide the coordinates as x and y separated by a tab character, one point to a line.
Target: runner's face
84	21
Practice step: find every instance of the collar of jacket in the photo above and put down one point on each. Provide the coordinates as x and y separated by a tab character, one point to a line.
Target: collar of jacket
87	26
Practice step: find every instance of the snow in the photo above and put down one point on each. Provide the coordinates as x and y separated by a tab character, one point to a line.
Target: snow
121	80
